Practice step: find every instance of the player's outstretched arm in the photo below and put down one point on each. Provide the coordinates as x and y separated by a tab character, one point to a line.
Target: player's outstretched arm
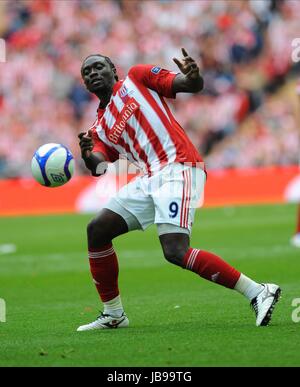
190	80
94	161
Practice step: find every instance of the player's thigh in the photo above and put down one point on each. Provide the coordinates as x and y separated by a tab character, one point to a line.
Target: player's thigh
177	197
135	205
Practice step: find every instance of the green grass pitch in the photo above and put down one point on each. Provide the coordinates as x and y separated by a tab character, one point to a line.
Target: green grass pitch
176	317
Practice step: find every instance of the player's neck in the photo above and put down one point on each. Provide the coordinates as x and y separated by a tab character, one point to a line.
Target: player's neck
104	96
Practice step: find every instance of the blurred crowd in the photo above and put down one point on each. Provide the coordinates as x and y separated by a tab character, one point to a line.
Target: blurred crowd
270	136
243	48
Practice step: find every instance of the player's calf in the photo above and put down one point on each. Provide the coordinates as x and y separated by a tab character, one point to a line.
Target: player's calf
104	262
263	297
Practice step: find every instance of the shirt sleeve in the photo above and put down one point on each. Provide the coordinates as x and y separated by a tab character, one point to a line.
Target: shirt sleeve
155	78
109	153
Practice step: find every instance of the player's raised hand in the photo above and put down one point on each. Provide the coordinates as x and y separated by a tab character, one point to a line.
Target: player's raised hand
187	65
86	144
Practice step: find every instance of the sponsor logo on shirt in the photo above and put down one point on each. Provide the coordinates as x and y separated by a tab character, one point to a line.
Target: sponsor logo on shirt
155	70
128	110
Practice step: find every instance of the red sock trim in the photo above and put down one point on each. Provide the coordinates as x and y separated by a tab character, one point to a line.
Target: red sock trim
101	254
99	249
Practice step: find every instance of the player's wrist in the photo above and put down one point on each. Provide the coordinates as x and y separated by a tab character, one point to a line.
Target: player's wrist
97	166
195	82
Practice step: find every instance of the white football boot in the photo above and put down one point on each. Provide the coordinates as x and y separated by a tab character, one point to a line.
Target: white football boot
295	241
264	303
106	321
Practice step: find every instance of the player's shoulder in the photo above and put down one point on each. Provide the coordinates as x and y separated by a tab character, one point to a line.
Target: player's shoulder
143	69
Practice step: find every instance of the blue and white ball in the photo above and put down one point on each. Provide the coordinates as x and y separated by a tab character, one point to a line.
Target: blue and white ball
52	165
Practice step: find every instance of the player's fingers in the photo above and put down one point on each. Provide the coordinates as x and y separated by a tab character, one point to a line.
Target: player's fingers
191	67
85	138
184	52
86	148
192	73
85	141
193	64
80	135
188	59
179	64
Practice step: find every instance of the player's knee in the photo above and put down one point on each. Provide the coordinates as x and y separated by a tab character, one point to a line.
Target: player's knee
174	255
97	233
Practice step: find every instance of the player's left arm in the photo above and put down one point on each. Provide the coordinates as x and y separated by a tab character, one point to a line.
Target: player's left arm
189	80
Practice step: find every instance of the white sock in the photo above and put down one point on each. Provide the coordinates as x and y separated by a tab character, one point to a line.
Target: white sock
114	307
248	287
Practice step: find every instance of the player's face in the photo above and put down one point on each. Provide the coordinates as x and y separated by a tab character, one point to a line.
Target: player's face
97	74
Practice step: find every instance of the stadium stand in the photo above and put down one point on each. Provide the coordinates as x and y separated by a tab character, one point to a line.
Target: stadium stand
244	48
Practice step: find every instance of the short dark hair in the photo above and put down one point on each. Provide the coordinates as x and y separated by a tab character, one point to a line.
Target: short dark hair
108	60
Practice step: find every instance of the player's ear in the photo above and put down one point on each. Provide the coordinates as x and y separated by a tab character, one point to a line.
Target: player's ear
114	70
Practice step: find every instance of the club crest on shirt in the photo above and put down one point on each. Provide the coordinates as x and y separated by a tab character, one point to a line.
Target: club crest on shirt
123	91
155	70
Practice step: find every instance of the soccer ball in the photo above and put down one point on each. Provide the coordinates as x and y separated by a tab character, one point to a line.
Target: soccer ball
52	165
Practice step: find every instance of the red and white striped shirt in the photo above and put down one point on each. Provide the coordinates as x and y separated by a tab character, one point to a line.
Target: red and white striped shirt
137	123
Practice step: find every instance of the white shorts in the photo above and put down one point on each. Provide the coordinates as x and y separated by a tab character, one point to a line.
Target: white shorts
170	197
